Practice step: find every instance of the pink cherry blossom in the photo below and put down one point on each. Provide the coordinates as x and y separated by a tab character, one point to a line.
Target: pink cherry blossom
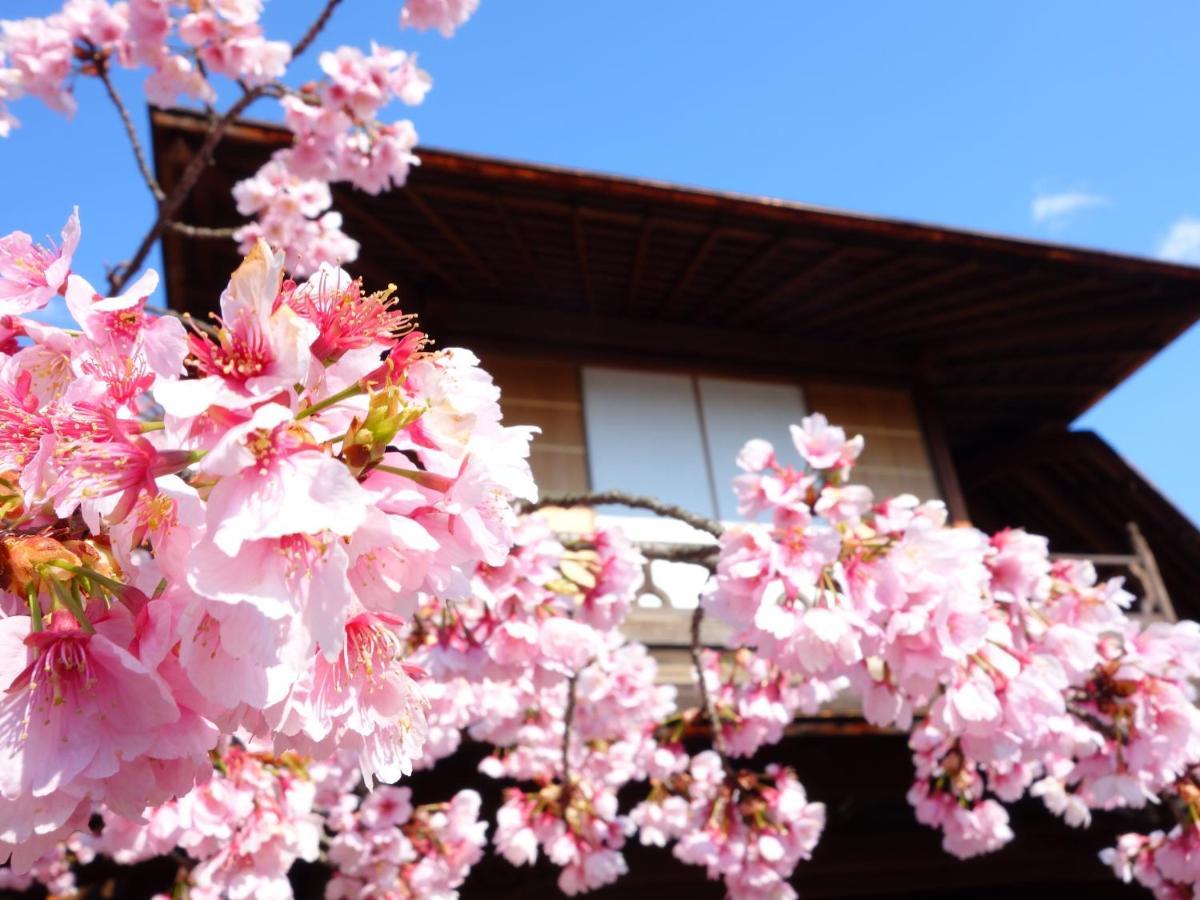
825	446
444	15
30	274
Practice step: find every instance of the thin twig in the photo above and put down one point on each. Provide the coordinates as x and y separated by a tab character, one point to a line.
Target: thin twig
1085	715
195	167
102	72
600	498
187	180
186	318
202	231
315	28
706	700
568	720
697	554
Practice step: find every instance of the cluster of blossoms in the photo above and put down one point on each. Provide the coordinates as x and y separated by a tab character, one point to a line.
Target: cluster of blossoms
749	829
384	846
225	531
572	706
239	833
250	571
1168	864
244	827
536	666
338	134
1030	674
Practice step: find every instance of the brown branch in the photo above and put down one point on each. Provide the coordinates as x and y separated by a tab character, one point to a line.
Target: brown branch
202	231
697	554
187	180
1089	718
706	700
315	28
600	498
170	205
105	76
186	318
568	719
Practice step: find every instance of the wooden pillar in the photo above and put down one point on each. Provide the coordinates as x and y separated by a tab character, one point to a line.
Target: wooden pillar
1157	599
938	445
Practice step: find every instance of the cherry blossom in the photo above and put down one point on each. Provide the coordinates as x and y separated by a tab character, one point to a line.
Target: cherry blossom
31	274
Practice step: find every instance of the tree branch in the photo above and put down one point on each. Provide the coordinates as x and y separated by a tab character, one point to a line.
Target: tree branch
105	76
697	554
568	719
706	700
191	174
1089	718
184	317
170	205
202	231
315	28
600	498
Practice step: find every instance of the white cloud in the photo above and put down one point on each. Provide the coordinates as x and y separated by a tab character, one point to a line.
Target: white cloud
1182	242
1056	210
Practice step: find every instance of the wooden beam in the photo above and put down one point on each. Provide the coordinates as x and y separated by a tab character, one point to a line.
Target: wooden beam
881	299
386	233
789	286
1069	510
751	266
514	234
693	266
827	300
169	163
581	256
1053	357
1080	332
1004	390
898	317
999	461
571	333
944	467
448	232
639	262
1012	303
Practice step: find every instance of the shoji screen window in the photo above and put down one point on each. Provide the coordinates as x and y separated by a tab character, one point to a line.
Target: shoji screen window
545	393
675	436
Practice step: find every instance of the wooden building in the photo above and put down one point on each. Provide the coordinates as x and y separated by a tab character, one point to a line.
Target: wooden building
650	329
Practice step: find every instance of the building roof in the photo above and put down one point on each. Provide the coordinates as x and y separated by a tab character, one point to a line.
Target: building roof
1008	336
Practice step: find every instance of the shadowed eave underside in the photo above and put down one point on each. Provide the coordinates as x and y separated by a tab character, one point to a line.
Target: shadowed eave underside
1005	337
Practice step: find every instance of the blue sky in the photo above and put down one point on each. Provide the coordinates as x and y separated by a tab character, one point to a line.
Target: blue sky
1072	121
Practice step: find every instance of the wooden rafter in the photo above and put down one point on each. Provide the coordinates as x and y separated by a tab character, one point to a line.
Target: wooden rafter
581	254
828	299
1031	306
681	284
1013	389
899	316
639	262
871	301
1059	357
449	233
782	291
388	235
514	235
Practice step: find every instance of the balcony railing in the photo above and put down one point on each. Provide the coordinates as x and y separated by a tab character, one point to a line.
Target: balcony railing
662	620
